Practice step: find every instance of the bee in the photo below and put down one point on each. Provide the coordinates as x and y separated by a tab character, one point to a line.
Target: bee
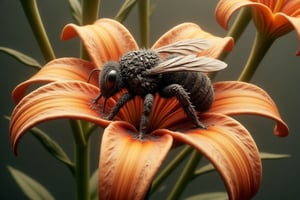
171	70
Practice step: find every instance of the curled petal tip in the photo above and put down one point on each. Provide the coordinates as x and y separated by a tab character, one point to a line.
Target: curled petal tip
104	40
68	32
281	129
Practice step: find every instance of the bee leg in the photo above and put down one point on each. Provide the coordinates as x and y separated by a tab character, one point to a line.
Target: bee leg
148	103
183	97
120	103
97	98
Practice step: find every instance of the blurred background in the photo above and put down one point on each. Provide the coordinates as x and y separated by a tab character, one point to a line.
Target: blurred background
277	74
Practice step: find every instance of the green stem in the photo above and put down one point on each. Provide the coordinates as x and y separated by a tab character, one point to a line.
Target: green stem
82	174
90	11
125	10
260	47
235	31
82	160
170	167
240	23
32	13
144	14
238	27
185	176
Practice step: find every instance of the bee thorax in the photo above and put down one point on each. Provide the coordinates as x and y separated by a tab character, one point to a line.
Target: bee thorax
134	65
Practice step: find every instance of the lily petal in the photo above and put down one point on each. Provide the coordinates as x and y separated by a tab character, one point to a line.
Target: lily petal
127	164
57	100
186	31
231	149
236	98
226	8
57	70
168	113
295	22
271	19
105	40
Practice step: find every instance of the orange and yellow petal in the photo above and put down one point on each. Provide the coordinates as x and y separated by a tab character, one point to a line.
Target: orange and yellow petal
272	18
127	165
239	98
264	14
57	100
105	40
232	151
226	8
186	31
295	22
57	70
166	113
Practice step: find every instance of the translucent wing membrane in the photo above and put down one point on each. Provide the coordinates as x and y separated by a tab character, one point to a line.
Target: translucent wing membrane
188	63
185	47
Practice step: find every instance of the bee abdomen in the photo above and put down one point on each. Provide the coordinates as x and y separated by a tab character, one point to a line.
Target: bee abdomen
201	93
197	84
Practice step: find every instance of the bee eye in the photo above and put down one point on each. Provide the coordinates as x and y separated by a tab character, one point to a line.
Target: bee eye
110	78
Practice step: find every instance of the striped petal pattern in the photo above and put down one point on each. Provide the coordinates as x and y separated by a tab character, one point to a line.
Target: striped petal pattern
273	18
127	164
104	40
231	149
239	98
57	100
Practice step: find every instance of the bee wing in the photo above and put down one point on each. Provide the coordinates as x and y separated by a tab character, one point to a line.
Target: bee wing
185	47
188	63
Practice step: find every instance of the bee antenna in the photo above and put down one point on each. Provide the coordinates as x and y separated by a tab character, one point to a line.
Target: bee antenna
91	74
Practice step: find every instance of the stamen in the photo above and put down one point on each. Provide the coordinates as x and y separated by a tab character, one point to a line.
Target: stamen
278	6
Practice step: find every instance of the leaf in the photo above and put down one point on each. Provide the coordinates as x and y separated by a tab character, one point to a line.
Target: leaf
264	156
21	57
31	188
273	156
203	170
53	148
209	196
94	185
76	10
125	10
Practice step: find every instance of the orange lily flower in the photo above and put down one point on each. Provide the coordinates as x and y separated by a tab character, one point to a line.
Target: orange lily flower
127	165
272	18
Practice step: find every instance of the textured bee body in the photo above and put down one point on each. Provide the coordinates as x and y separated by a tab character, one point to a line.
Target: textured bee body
197	84
134	66
144	73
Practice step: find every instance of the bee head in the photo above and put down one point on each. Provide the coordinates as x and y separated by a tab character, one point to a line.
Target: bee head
110	80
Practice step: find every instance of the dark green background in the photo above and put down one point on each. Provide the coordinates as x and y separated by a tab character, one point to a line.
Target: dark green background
278	75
